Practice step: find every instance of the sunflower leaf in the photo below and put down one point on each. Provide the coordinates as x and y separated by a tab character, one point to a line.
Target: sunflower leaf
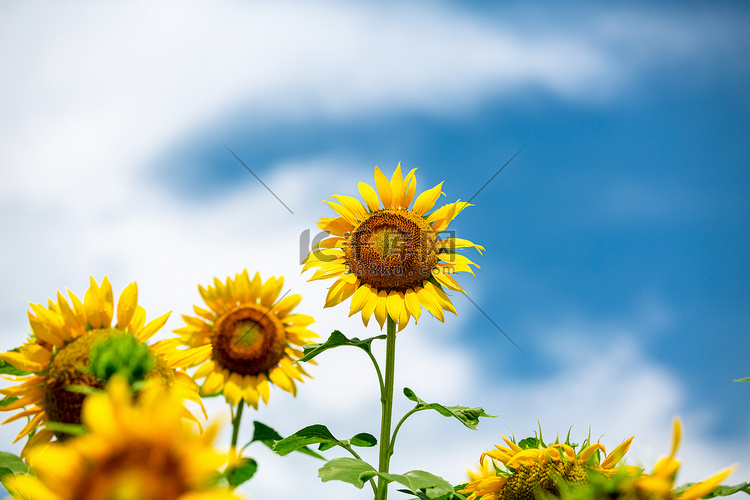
8	369
467	416
319	434
747	379
266	435
720	491
242	472
420	483
337	339
10	463
349	470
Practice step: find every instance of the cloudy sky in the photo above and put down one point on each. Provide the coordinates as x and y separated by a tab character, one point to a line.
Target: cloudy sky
617	239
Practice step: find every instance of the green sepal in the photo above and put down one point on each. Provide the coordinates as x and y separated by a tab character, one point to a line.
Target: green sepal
467	416
241	473
8	400
349	470
266	435
71	429
337	339
720	491
8	369
319	434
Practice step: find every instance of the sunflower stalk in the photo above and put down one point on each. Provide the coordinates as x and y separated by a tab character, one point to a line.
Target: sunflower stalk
386	400
236	419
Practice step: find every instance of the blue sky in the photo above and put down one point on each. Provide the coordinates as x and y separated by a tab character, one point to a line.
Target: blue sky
616	240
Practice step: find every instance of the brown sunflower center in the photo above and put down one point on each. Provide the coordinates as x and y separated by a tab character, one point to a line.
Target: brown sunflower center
63	405
528	481
248	340
142	471
392	250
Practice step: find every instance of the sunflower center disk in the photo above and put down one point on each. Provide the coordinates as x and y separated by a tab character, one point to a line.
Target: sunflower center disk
249	340
63	405
140	472
528	481
392	250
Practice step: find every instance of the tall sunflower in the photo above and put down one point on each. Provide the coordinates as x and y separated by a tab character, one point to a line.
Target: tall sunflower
522	472
244	340
62	335
390	260
132	451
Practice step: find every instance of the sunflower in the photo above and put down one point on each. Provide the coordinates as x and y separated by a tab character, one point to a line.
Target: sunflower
522	472
244	340
659	485
390	259
62	337
140	450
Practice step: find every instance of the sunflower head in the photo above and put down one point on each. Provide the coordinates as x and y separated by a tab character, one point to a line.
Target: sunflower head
244	340
133	450
391	260
530	468
57	356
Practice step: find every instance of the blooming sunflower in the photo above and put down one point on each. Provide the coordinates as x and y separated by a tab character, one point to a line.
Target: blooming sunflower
520	472
140	450
390	259
659	485
244	341
62	337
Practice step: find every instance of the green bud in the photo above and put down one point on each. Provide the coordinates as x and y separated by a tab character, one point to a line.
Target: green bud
121	353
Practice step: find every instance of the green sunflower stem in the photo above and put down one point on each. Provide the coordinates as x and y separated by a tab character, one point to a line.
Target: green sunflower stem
386	400
236	419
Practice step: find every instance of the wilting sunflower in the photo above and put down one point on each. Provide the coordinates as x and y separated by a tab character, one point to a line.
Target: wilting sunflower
659	485
390	259
132	451
245	340
520	472
57	354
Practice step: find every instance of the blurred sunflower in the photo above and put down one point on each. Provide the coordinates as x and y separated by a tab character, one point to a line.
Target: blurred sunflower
244	340
523	471
659	485
390	259
142	451
58	351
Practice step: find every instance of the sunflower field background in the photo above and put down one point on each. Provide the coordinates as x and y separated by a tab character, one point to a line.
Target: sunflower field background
170	144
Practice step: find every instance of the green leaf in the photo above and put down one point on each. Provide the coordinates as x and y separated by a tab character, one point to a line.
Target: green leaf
743	379
337	339
719	491
266	435
467	416
320	434
8	369
72	429
243	472
420	483
349	470
12	463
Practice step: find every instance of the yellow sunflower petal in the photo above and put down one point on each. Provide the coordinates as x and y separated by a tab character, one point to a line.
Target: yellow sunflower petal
369	307
285	305
383	187
397	181
152	327
126	305
426	200
271	290
370	196
281	380
702	489
353	205
412	304
361	295
410	187
339	292
381	309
